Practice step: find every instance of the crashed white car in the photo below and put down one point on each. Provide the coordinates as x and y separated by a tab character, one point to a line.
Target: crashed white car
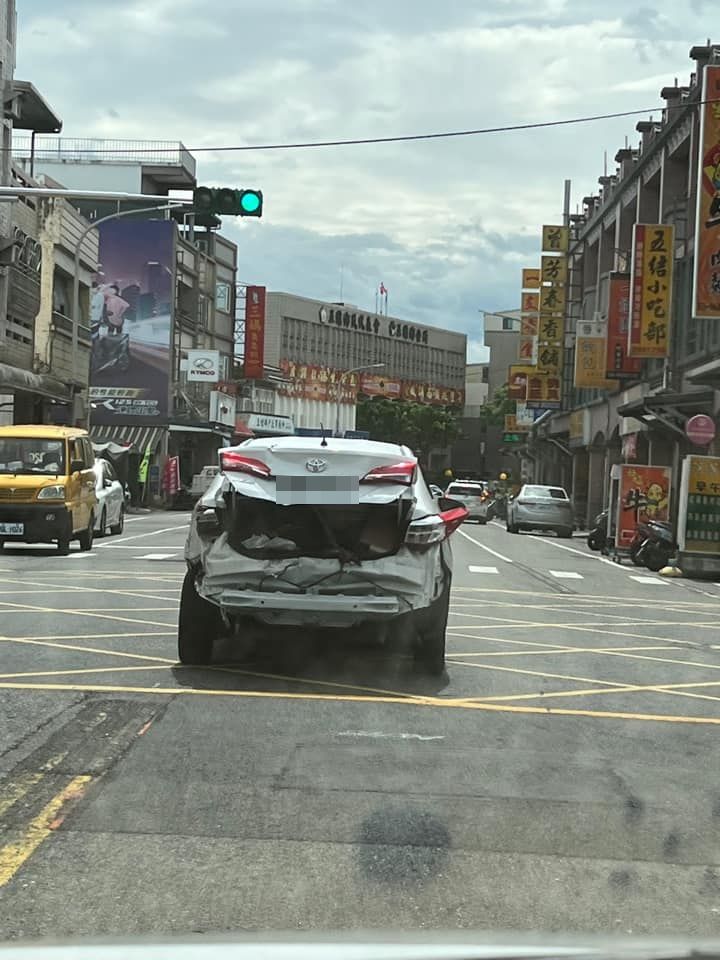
302	531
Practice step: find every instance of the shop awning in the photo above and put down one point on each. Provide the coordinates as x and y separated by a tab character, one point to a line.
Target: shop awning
14	378
669	409
707	373
139	439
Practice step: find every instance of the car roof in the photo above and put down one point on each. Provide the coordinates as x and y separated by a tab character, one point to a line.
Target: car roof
339	444
42	431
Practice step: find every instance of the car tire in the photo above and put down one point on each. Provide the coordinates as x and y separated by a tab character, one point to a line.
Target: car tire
198	625
565	533
482	521
87	536
2	545
430	655
511	527
102	527
63	546
120	525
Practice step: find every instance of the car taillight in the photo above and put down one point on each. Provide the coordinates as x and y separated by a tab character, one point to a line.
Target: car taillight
423	533
233	462
403	472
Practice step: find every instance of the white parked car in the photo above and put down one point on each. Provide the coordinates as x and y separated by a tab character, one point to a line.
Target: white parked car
297	531
110	510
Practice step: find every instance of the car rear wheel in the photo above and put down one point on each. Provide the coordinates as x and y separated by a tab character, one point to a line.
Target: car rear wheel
198	625
86	537
431	652
511	527
63	546
565	533
102	528
120	525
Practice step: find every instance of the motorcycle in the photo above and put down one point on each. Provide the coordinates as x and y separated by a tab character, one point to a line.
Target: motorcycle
109	351
597	537
653	545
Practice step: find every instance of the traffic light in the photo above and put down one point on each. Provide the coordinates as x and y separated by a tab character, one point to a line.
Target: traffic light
226	202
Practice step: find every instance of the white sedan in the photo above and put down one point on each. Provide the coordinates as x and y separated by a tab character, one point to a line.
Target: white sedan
110	510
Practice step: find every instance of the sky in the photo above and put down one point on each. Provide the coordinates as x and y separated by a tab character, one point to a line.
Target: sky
446	225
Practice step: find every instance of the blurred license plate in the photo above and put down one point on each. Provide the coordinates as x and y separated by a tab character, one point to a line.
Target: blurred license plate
12	529
317	490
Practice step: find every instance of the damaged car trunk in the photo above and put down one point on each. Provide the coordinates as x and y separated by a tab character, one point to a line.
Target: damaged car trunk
347	532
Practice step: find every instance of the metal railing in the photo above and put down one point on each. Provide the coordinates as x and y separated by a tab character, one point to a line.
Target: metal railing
95	150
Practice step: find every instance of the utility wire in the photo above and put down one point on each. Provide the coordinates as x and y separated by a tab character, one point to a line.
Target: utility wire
393	139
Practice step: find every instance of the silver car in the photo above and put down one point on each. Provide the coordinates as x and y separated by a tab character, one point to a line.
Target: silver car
299	532
541	508
474	495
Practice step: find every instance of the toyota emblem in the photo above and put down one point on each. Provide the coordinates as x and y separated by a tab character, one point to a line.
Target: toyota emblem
316	466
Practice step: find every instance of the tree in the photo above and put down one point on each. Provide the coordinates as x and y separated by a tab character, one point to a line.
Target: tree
493	413
419	426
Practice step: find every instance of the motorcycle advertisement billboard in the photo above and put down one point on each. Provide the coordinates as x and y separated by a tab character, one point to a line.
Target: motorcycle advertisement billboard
699	513
643	494
131	309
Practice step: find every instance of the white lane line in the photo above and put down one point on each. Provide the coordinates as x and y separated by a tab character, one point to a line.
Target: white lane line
580	553
378	735
656	581
157	556
483	569
566	575
139	536
140	546
482	546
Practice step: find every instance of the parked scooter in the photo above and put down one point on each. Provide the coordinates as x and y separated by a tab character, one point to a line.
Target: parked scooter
597	538
653	545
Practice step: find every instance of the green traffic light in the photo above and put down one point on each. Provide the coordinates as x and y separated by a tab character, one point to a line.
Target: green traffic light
250	201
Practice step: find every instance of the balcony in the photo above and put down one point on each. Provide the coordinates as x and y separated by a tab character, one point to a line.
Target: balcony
167	162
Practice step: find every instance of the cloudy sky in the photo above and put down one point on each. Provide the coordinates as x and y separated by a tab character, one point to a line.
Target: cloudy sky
447	224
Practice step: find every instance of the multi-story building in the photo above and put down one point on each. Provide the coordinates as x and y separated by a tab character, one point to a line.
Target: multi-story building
329	351
173	285
43	369
502	338
643	418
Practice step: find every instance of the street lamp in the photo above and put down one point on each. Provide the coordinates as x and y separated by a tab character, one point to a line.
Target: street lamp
338	394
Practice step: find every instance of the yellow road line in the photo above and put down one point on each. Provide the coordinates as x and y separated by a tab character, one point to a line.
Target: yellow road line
64	588
545	653
70	646
679	688
26	608
80	672
349	698
97	636
542	674
14	855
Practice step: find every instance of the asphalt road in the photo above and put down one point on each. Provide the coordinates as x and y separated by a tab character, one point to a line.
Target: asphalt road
563	776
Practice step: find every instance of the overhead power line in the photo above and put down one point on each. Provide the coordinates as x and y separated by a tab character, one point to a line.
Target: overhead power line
399	138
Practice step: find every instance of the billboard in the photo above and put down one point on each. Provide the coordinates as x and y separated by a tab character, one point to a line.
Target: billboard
699	515
620	366
706	285
555	239
203	366
644	495
131	309
254	361
651	290
530	278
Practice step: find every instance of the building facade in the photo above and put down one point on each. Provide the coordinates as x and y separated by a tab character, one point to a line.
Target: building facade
641	417
315	345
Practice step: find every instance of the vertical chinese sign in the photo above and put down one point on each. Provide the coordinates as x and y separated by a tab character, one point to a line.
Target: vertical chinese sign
651	290
619	365
706	285
699	515
545	388
255	333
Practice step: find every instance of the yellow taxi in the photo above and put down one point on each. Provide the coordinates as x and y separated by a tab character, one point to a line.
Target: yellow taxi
47	486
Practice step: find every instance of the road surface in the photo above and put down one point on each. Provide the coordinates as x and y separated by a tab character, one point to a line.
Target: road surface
563	776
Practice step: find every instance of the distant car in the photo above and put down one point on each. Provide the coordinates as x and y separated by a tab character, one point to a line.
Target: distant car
110	510
299	532
541	508
475	496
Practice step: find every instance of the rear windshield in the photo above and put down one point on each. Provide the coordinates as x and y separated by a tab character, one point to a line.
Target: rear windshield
553	493
465	490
